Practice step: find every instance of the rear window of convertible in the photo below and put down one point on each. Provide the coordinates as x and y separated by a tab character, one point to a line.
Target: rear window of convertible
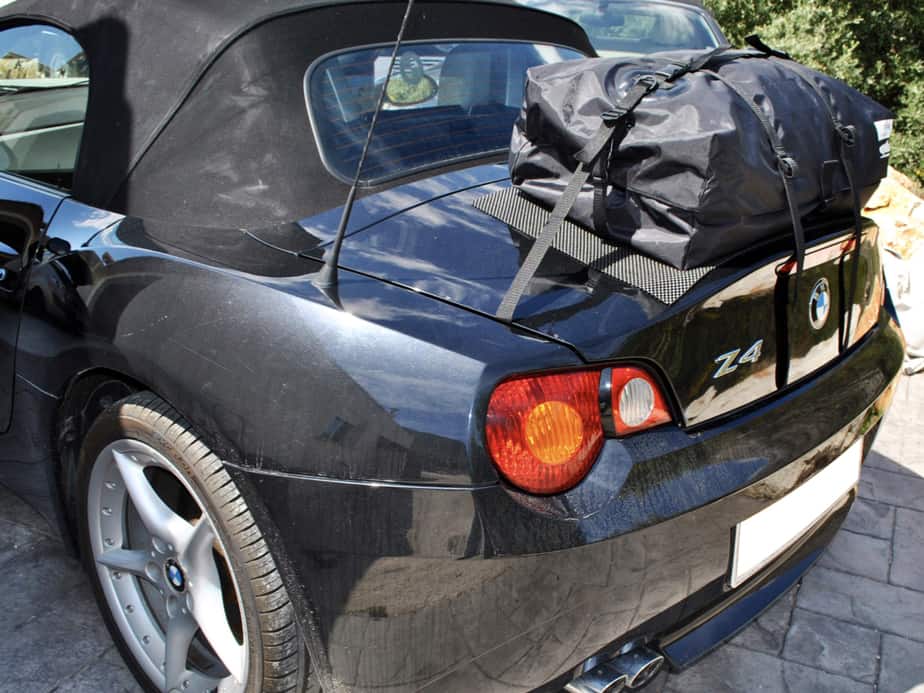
446	102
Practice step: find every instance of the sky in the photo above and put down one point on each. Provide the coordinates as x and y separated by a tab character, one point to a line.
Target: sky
51	46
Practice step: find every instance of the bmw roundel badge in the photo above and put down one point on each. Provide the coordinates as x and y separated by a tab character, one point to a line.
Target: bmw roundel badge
820	304
175	577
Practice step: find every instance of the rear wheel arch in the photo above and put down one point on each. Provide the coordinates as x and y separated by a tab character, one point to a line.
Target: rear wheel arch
88	394
150	426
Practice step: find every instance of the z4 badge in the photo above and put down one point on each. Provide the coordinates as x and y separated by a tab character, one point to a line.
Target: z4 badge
728	363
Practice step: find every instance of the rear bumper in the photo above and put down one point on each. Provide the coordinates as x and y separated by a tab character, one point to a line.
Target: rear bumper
715	626
460	589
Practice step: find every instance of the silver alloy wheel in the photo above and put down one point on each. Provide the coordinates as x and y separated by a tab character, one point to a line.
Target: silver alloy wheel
176	561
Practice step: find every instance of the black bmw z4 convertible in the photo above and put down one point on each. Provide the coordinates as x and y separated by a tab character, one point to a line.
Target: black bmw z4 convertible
251	255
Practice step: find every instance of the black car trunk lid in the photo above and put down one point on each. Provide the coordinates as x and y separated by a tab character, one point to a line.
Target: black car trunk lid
739	334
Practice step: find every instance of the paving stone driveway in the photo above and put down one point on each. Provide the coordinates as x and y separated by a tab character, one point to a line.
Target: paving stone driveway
856	622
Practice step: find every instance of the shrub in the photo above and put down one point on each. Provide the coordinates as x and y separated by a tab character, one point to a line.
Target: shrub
876	47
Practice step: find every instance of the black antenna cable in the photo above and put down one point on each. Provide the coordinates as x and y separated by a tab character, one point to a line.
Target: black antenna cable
327	279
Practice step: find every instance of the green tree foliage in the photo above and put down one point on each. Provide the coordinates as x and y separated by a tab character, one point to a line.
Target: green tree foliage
877	47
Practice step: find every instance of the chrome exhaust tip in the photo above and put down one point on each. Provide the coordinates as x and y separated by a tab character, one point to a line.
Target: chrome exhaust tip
603	678
639	666
632	670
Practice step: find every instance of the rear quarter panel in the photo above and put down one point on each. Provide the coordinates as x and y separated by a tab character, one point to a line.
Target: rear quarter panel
269	371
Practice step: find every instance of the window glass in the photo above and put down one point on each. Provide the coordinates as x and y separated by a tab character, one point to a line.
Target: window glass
44	83
445	102
626	27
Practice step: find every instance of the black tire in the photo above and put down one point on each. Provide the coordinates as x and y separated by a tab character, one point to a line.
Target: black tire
277	660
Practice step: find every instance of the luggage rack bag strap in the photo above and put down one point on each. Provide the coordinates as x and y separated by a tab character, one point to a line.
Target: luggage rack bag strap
615	122
847	136
667	75
788	169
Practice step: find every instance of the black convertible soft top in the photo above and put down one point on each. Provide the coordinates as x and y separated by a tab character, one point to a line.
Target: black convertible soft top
196	110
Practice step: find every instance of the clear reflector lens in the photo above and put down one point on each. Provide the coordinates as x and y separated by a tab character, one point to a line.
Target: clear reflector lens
636	402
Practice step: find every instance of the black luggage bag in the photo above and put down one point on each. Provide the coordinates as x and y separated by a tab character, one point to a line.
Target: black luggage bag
692	159
696	176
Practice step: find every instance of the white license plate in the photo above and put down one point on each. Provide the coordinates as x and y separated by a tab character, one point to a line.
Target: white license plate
764	536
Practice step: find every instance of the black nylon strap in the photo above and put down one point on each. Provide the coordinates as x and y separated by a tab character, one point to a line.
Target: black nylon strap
858	239
847	142
613	122
675	71
670	74
616	117
846	134
756	42
644	86
542	244
600	186
704	60
788	169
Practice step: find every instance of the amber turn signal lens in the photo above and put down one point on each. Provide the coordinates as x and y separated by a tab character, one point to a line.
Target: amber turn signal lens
545	432
554	432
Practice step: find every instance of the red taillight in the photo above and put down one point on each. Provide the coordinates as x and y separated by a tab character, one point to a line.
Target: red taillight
545	431
637	401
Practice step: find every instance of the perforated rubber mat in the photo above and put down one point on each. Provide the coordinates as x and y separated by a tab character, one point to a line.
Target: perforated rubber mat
662	281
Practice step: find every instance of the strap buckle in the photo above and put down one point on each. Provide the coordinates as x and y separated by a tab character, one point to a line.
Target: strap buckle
847	133
619	112
787	165
650	82
614	115
673	71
